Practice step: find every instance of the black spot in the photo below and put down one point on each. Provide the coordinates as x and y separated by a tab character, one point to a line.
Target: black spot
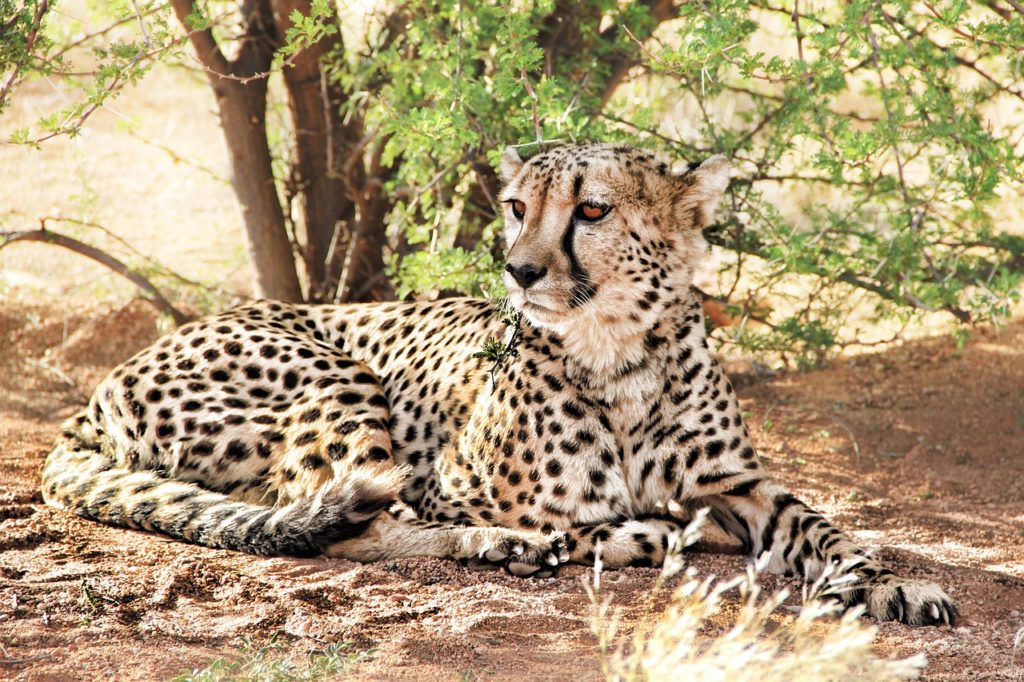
572	409
714	448
313	461
203	448
306	438
236	451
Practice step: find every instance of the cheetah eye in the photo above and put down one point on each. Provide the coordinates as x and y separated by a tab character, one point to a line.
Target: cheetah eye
518	208
592	212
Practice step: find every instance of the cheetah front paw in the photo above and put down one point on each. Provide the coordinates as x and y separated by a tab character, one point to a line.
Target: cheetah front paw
913	602
524	555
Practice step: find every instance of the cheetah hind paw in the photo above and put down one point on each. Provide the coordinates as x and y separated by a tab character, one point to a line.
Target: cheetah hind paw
913	602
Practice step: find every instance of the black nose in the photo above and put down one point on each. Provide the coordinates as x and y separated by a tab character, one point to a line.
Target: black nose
525	275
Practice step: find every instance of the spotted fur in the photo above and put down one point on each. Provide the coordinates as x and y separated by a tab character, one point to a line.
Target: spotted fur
373	431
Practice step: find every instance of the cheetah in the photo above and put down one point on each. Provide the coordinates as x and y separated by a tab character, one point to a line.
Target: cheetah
378	431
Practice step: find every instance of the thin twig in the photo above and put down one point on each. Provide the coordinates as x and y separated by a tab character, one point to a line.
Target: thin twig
1016	5
178	158
23	661
142	25
103	31
115	84
956	29
875	50
533	104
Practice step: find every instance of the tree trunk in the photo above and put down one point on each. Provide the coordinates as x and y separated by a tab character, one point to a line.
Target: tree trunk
364	267
242	108
323	144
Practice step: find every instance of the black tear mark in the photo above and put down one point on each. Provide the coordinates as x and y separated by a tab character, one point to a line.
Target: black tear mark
577	185
582	291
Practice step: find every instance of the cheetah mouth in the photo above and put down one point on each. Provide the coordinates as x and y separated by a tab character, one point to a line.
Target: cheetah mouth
532	305
539	308
527	303
542	315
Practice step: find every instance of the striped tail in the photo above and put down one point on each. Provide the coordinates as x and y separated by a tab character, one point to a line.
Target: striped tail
82	477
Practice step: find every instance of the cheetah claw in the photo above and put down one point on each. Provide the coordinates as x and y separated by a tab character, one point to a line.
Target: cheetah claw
525	557
913	602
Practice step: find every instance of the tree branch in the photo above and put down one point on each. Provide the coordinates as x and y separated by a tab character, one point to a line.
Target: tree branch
150	292
852	278
203	42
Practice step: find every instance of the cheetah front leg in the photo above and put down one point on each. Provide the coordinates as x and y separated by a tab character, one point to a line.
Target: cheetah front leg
629	542
399	533
802	543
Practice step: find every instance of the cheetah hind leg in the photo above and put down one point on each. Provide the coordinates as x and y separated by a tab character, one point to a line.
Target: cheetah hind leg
400	534
337	433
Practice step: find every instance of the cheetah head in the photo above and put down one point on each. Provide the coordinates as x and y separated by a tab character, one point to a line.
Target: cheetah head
602	235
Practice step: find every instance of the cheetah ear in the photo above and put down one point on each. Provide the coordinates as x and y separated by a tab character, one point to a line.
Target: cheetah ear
510	164
703	187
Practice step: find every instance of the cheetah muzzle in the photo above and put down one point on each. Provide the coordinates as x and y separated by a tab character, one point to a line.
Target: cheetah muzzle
375	431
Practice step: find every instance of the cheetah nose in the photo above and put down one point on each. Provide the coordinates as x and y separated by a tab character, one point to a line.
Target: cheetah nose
525	275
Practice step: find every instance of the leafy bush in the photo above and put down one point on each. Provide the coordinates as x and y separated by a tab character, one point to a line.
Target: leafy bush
873	145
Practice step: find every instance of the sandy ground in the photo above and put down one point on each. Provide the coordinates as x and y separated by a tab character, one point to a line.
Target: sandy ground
919	452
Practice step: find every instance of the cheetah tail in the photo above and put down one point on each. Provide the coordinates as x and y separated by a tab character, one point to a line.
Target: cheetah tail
80	477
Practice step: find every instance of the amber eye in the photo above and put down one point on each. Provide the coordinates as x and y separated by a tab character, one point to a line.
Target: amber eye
591	211
518	209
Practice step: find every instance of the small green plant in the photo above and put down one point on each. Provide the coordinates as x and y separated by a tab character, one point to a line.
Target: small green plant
87	600
499	351
260	664
761	643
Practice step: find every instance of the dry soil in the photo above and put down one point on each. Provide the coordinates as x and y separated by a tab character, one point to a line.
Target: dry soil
919	452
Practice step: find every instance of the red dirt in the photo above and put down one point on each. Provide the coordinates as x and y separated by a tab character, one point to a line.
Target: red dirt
918	451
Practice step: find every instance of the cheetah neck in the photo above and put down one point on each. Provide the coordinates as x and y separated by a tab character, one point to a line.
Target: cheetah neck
621	360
